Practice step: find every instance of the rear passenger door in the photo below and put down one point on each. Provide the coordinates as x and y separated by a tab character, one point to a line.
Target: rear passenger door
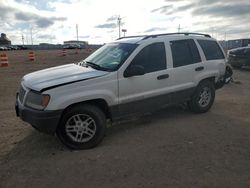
185	64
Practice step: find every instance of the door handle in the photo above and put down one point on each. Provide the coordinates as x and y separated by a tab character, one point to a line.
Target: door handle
199	68
161	77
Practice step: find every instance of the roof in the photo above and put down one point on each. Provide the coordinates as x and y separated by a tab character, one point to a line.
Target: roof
136	39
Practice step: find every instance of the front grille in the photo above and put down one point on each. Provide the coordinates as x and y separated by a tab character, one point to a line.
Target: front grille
21	94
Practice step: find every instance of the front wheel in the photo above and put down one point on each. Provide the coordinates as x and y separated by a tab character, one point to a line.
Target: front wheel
82	127
203	98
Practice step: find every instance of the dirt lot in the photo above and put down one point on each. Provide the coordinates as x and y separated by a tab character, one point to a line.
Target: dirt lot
170	148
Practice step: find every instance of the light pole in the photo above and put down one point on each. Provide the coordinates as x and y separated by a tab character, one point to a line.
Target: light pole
77	32
31	36
119	25
179	28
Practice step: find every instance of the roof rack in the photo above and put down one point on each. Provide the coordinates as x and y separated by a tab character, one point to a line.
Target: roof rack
163	34
131	37
153	36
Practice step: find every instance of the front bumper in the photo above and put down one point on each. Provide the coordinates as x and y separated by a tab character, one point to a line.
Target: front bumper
44	121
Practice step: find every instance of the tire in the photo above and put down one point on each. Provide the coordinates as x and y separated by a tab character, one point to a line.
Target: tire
203	97
82	127
228	74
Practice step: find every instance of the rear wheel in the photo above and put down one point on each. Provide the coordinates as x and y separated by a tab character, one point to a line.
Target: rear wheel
203	98
82	127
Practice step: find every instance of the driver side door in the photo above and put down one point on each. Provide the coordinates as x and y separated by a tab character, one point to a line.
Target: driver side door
142	93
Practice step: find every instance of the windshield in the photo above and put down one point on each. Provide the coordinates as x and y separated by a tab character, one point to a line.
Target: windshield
110	56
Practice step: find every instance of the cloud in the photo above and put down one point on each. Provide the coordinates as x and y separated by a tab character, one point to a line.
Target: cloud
39	21
4	11
163	9
112	18
59	17
46	36
84	37
106	26
44	22
224	10
12	15
155	29
24	16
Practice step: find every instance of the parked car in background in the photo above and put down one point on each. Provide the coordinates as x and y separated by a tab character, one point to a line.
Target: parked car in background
239	57
13	47
20	47
3	48
72	46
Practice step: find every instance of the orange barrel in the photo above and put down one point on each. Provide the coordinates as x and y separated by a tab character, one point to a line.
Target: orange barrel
4	60
31	56
64	52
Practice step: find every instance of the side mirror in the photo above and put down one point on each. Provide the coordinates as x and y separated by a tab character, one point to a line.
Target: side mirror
134	70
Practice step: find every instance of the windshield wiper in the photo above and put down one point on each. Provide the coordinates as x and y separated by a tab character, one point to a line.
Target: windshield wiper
95	66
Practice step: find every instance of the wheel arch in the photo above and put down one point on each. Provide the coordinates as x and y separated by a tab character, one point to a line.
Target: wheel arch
211	79
100	103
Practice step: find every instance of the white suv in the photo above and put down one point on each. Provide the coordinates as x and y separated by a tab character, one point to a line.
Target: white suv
131	75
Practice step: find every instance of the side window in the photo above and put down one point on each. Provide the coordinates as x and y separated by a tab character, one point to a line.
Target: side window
247	51
211	49
184	52
152	57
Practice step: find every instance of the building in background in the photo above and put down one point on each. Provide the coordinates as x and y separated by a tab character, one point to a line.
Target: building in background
4	41
237	43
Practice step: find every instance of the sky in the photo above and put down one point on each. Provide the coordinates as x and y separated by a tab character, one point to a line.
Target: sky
54	21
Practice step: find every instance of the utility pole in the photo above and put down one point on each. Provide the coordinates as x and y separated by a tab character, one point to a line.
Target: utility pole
23	39
119	25
31	36
77	32
27	38
179	28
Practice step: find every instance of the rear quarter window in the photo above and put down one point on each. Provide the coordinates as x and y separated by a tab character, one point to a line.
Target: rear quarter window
211	49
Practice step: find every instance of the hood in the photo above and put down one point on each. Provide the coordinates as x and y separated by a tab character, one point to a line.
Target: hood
60	75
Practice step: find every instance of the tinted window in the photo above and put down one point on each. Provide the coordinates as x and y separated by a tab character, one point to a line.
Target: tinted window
211	49
152	58
247	51
184	52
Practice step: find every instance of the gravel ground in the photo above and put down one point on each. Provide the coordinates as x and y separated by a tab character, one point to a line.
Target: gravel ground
169	148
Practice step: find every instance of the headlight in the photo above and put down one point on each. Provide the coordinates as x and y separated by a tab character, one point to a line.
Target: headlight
37	100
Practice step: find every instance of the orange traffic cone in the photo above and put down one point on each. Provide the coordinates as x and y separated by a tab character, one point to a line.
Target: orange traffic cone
64	52
31	56
4	60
